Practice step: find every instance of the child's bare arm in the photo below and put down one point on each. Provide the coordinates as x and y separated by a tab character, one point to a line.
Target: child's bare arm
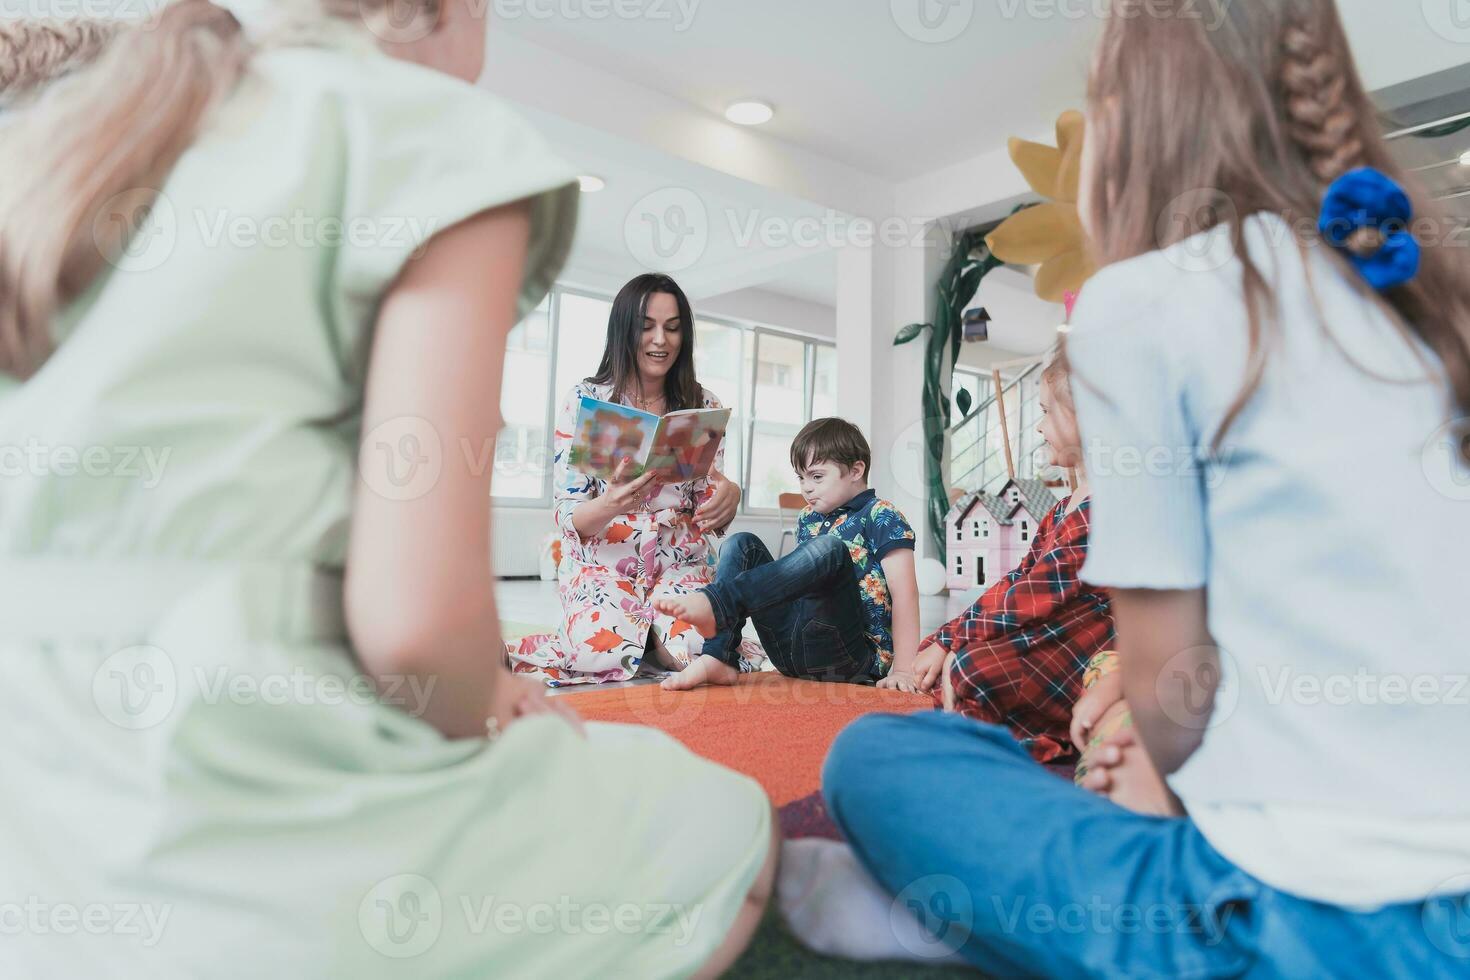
1158	631
420	591
903	590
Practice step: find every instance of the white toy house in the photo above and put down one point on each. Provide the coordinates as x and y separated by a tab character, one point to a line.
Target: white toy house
989	534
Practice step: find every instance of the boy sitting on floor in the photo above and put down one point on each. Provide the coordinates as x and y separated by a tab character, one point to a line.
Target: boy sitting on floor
843	606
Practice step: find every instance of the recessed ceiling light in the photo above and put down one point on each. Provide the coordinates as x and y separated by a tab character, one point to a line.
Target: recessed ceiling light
1465	159
591	184
750	113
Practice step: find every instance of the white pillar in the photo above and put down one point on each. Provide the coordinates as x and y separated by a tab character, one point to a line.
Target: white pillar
880	288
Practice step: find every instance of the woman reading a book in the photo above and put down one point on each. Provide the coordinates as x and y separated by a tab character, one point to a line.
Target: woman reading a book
630	539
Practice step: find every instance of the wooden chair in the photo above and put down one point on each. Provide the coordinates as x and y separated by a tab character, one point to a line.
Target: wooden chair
791	505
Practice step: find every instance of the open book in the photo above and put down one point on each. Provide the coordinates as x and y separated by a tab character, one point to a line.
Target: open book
679	447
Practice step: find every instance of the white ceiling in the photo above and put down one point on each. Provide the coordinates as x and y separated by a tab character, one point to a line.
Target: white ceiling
864	82
861	84
846	79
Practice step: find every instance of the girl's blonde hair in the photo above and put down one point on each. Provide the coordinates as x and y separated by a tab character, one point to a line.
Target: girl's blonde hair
1221	109
1056	371
96	115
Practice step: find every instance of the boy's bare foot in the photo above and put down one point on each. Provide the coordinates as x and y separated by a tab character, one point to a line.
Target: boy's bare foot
1123	772
704	670
694	609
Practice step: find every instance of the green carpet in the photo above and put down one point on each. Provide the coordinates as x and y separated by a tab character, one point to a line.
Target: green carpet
775	954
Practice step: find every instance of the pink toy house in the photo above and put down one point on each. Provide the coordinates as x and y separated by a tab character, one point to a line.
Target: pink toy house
989	534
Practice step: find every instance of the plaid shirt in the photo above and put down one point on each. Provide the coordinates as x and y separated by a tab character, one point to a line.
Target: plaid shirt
1021	649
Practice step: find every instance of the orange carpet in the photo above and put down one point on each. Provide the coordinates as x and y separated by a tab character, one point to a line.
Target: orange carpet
772	728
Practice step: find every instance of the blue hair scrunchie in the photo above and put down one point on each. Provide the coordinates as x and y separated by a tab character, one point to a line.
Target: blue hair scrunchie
1369	198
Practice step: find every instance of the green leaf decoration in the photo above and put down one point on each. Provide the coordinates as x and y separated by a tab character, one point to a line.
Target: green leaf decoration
970	262
963	401
910	332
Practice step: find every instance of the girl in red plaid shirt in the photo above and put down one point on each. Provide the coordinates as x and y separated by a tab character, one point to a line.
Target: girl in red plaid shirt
1017	656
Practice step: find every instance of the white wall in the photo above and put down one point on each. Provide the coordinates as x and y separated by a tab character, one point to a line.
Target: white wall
774	310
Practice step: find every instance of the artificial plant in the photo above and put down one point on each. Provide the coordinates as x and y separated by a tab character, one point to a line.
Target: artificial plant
967	265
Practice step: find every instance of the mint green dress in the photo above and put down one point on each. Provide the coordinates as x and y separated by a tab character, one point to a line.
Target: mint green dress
197	781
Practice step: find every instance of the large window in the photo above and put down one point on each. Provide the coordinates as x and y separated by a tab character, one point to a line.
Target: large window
773	383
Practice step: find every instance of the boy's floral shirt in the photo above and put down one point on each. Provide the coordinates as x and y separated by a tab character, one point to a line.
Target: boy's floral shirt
871	528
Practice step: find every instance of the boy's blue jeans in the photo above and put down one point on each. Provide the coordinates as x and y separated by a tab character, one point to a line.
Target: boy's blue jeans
1027	875
806	608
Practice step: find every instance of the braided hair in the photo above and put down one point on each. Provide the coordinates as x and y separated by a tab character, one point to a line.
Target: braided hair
1255	108
34	52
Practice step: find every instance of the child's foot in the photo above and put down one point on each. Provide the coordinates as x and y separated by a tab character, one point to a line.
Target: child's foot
694	609
704	670
661	654
1123	772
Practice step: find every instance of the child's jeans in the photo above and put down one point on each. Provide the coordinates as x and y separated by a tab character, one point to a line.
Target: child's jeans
1028	876
806	608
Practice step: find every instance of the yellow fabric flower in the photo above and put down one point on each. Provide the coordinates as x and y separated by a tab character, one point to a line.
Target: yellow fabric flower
1049	235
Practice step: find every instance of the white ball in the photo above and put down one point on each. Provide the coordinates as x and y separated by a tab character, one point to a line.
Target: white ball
930	573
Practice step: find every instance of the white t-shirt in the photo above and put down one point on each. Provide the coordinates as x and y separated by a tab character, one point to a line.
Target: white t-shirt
1331	532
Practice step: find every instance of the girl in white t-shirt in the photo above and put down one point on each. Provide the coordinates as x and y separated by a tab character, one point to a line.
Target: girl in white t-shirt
1272	376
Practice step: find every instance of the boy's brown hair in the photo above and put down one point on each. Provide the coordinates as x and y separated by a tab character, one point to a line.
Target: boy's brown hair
830	440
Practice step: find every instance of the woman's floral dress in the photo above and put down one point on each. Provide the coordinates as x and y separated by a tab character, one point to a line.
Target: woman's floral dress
609	582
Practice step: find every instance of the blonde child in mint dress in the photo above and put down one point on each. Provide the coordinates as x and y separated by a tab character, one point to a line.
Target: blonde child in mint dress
199	780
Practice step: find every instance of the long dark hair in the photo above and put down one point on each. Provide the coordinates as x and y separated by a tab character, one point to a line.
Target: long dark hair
619	366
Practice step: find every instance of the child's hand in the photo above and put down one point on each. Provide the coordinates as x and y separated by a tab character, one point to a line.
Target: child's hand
522	697
928	665
900	680
1094	703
